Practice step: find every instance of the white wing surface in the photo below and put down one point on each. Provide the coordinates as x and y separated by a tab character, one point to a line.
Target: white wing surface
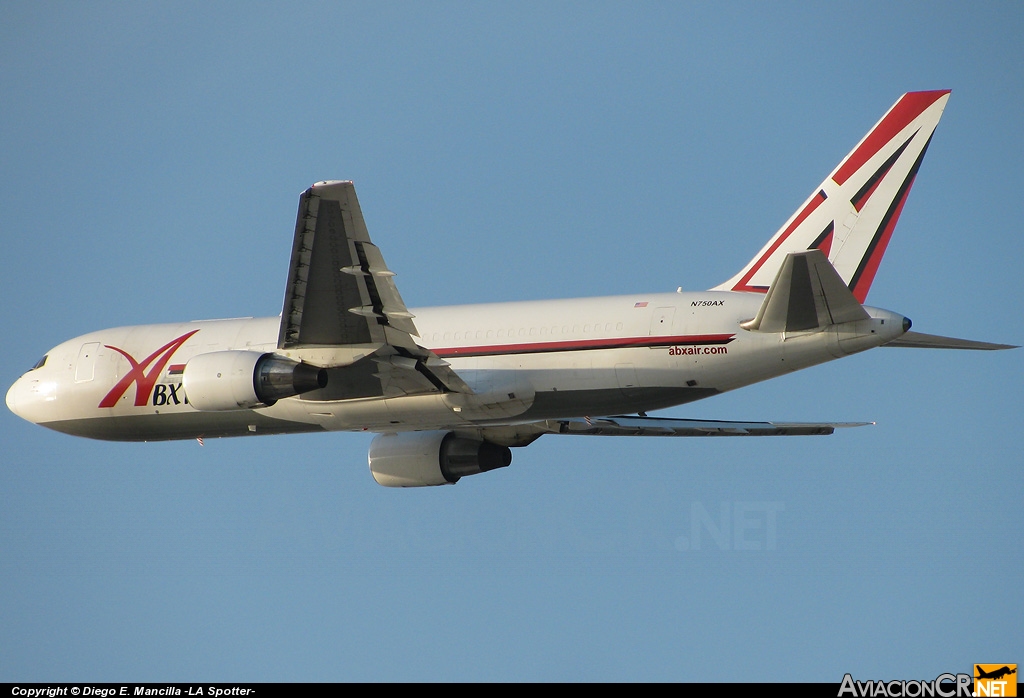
625	425
660	426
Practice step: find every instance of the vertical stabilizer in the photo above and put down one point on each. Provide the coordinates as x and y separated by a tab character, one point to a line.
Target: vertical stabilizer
851	215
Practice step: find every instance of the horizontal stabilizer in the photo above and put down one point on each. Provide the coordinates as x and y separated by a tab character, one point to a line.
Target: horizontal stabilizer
807	294
660	426
917	340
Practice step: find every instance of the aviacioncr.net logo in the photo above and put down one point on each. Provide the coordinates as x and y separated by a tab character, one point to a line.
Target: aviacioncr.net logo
995	680
944	686
144	380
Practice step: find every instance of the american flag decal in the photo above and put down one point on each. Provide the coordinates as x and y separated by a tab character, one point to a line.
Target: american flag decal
641	304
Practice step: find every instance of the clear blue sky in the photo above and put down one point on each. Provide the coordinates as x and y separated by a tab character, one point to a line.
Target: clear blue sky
151	156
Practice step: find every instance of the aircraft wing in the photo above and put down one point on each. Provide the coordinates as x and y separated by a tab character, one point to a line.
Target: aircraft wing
623	425
341	303
660	426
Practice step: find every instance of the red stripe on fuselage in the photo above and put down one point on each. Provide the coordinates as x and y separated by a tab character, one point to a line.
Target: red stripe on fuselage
584	345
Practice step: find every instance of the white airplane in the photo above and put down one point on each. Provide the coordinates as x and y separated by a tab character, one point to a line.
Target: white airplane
449	390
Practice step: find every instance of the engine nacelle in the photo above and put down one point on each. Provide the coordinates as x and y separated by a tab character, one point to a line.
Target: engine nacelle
235	380
424	458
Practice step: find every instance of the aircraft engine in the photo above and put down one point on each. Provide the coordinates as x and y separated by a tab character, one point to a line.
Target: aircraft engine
233	380
424	458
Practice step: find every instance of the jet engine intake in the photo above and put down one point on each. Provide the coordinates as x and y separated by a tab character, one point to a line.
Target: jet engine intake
425	458
235	380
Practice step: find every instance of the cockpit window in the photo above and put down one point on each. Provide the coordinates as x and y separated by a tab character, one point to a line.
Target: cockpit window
40	363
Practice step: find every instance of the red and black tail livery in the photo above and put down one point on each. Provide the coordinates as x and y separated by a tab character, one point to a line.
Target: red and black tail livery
851	215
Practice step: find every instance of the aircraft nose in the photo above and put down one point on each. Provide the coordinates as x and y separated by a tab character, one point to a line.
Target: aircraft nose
32	397
12	398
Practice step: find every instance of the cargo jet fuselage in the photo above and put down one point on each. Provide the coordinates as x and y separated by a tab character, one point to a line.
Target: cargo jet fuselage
450	389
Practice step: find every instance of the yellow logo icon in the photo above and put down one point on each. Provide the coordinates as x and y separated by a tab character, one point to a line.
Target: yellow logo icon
995	680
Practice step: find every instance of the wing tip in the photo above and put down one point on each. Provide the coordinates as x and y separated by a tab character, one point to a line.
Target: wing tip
331	182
